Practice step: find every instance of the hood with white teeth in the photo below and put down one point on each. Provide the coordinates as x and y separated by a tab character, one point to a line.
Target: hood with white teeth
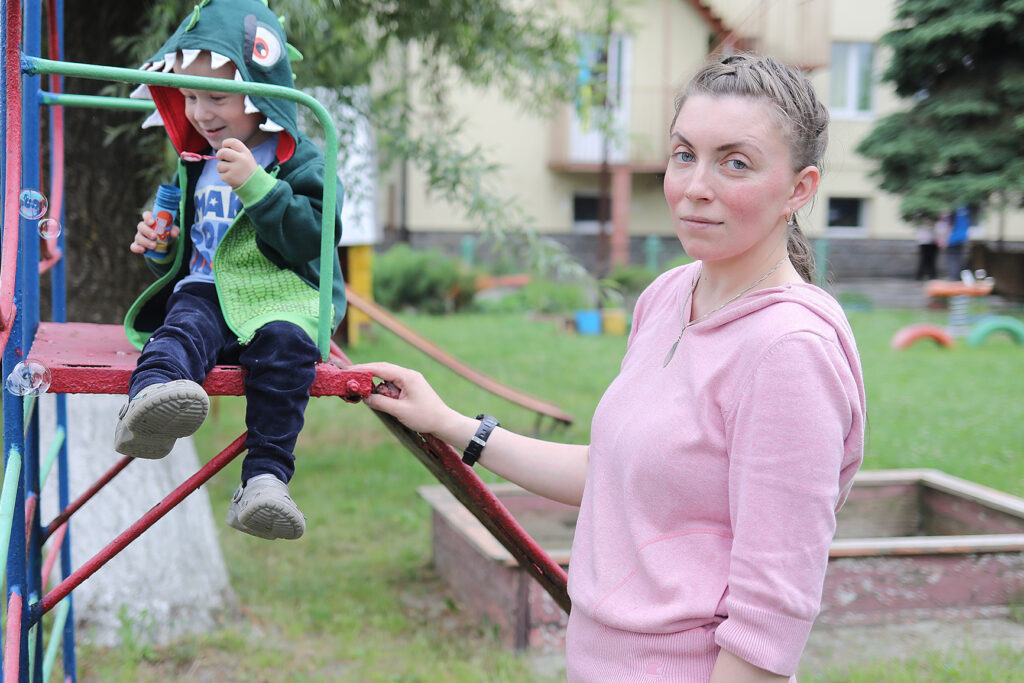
245	33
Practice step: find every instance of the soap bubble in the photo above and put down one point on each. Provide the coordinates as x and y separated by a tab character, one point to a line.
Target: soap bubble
50	228
28	378
32	204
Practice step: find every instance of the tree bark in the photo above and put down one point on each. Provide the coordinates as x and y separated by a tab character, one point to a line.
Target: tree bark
105	191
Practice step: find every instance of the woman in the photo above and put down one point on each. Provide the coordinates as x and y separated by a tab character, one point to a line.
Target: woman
723	449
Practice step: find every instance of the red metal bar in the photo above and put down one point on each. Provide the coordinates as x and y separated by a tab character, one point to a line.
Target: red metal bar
463	482
49	252
446	465
12	169
12	645
147	520
53	553
71	509
31	501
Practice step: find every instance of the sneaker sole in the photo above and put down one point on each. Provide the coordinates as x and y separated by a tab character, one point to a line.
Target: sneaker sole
275	521
149	429
269	521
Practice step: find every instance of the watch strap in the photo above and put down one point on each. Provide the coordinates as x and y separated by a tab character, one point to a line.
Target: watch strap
479	440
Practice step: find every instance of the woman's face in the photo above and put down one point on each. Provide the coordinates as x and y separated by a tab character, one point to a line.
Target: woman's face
729	182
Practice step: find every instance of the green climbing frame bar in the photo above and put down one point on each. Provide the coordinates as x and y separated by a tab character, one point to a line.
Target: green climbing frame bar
95	101
8	497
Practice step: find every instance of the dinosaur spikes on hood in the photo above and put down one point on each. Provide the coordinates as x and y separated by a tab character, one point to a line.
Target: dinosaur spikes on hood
245	33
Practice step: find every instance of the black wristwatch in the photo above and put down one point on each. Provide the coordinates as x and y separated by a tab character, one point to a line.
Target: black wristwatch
479	440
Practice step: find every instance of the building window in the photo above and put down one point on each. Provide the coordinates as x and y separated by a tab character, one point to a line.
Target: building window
852	79
846	215
586	214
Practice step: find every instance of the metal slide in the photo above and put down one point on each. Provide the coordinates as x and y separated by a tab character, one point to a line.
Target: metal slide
385	319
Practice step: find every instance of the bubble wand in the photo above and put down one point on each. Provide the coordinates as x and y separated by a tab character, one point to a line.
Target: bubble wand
193	156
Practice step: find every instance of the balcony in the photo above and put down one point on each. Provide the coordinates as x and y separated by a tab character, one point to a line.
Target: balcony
637	142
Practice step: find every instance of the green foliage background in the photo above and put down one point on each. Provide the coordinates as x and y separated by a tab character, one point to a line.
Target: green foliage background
961	142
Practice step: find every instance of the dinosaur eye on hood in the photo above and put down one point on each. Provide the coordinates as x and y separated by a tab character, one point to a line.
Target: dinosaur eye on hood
263	46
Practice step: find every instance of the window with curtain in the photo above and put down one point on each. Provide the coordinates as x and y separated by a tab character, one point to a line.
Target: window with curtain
852	80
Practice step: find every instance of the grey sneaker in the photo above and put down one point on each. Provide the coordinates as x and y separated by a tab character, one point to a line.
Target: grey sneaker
159	415
263	508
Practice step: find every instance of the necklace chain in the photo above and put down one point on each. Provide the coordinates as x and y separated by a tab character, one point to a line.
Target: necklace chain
682	314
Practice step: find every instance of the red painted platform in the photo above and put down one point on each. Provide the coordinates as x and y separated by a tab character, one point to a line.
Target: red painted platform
86	358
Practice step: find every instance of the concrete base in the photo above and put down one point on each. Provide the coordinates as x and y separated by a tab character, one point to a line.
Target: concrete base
169	582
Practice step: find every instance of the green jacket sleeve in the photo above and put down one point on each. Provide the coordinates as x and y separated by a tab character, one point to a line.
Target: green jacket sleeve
287	212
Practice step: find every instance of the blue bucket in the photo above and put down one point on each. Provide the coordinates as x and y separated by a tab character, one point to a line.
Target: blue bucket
588	322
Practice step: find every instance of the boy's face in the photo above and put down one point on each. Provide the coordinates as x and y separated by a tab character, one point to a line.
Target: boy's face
216	115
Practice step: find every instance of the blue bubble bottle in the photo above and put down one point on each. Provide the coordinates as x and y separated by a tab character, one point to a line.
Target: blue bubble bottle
165	209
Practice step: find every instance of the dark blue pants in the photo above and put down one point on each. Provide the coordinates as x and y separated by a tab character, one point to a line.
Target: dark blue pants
280	362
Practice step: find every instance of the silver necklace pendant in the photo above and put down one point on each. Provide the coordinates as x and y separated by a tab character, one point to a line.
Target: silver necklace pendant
672	351
675	345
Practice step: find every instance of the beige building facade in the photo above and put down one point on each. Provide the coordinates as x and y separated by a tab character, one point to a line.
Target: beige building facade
551	164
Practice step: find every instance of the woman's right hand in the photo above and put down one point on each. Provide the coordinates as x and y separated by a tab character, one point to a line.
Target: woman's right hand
554	470
418	406
145	234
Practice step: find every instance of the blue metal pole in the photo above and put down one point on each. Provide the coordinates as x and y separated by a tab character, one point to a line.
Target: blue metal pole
14	439
29	267
58	302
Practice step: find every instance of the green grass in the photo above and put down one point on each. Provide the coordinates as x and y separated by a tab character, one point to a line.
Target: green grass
1001	665
960	410
356	598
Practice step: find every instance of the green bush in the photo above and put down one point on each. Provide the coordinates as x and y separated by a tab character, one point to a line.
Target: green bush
632	280
542	296
425	281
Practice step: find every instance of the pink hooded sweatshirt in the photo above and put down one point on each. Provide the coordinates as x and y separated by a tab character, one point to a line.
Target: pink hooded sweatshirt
713	484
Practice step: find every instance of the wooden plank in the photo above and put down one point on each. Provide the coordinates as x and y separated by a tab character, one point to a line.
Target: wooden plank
989	497
928	545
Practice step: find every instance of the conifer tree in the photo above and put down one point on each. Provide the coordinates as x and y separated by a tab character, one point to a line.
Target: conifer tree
961	139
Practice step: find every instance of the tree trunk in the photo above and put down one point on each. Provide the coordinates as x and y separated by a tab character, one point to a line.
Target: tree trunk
105	191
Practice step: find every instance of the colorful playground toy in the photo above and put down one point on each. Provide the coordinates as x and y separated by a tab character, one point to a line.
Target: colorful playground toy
959	324
1000	323
912	333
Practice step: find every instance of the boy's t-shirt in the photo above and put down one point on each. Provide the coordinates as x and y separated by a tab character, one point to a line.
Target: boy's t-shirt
216	208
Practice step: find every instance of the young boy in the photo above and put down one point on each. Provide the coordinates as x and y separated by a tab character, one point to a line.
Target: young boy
239	284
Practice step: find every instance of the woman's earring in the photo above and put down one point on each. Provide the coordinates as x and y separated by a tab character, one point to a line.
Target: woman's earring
791	219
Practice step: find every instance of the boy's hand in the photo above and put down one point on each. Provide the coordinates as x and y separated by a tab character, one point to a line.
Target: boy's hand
235	163
145	235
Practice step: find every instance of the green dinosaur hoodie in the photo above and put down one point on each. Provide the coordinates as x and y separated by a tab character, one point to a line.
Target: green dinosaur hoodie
267	266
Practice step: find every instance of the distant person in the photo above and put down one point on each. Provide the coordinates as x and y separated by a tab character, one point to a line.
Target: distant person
930	237
961	226
240	282
722	451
